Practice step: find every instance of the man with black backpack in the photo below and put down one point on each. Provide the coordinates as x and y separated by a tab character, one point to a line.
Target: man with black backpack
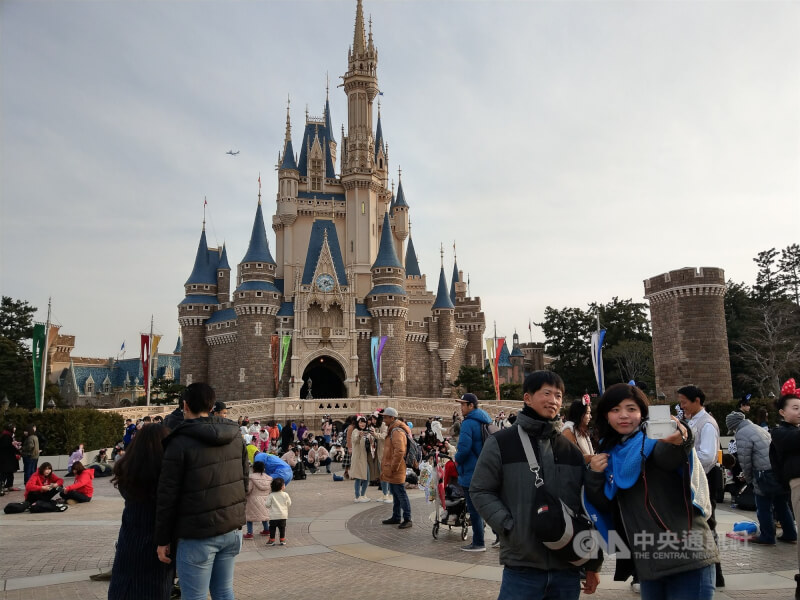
474	428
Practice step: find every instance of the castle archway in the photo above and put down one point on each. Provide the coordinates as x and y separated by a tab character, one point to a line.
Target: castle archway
327	378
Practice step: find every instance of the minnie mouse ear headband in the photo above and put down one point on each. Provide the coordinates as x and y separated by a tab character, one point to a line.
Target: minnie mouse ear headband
790	389
586	400
361	418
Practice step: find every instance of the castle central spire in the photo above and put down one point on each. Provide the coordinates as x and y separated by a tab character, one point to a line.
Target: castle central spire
359	37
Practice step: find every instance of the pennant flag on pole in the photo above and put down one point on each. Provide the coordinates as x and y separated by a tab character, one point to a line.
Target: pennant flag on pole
492	363
145	356
500	343
275	352
38	350
156	339
284	352
597	358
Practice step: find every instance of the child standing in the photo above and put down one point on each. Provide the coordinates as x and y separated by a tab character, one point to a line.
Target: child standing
278	502
257	492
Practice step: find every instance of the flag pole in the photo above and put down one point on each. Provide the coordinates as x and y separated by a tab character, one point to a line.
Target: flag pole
150	356
43	377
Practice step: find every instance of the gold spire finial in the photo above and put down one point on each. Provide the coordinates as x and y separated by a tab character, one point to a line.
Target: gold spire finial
288	121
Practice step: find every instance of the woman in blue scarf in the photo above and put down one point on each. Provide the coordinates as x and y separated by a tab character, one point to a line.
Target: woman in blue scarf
649	501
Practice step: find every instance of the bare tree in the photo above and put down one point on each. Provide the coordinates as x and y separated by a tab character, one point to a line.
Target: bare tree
770	347
634	360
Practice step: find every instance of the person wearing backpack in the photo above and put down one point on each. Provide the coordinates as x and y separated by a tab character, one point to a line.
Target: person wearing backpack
393	468
470	444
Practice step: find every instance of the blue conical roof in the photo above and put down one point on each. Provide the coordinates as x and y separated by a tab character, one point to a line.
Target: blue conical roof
412	266
288	161
387	256
401	197
223	259
442	297
453	282
328	126
203	271
258	250
178	346
516	351
503	360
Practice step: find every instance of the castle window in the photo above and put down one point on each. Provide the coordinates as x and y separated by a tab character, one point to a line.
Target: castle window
391	297
390	330
316	184
205	308
219	325
241	294
259	294
190	307
402	373
258	328
351	246
258	265
194	287
241	375
106	388
221	274
205	287
90	387
275	296
363	208
245	266
188	379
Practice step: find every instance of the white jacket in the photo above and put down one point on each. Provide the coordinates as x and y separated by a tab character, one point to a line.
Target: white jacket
278	504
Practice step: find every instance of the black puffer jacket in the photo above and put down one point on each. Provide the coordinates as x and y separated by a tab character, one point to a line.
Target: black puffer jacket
786	441
202	490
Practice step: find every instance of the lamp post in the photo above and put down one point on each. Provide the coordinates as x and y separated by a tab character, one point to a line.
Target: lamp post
5	404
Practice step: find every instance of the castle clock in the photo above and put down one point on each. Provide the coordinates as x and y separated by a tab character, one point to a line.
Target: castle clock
324	283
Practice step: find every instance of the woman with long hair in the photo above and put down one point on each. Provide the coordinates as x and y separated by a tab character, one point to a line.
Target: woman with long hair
576	428
43	484
654	495
363	445
137	572
82	489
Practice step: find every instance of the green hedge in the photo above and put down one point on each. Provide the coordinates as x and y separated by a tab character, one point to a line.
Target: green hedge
65	429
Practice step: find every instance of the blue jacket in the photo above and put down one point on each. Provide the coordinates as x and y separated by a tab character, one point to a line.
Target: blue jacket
470	444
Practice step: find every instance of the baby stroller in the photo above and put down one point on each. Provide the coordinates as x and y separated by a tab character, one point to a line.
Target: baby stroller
451	507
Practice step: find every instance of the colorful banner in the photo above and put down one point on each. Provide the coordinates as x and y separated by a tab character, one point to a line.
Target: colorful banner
38	349
500	343
156	339
597	358
284	352
275	352
490	359
145	356
376	346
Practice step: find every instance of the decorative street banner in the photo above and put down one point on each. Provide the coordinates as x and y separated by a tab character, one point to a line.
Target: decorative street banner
376	346
597	358
38	349
146	361
285	341
156	339
275	352
500	343
492	363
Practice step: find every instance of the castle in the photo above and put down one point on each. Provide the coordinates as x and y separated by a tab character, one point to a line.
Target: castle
344	272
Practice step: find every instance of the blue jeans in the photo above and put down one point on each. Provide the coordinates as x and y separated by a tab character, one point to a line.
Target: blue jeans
360	486
29	466
385	487
689	585
521	583
207	565
401	502
264	526
764	512
475	519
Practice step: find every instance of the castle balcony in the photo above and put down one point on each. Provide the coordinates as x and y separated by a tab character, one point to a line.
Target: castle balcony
326	333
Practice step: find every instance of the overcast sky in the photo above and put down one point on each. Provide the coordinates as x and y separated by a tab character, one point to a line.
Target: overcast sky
571	149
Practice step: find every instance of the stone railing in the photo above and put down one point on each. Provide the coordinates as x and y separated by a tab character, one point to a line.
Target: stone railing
311	411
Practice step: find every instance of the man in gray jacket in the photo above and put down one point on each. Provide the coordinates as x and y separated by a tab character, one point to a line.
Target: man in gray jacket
503	487
752	452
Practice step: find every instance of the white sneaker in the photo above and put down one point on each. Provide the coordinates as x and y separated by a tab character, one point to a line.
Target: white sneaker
636	588
357	500
363	499
388	499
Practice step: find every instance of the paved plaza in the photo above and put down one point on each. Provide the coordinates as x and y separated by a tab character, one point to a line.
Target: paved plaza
335	549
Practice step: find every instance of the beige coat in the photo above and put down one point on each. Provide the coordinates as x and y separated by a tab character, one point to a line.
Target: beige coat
257	492
393	465
358	467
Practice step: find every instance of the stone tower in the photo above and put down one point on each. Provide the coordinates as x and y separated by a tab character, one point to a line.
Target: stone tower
444	319
387	303
690	340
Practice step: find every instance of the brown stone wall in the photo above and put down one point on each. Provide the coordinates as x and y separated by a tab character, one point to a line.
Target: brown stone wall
223	371
194	353
254	356
690	342
366	383
223	286
394	353
418	370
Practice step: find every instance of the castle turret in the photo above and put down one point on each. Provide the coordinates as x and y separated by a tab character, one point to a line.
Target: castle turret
387	303
443	312
223	277
286	213
517	361
199	303
381	153
400	216
256	303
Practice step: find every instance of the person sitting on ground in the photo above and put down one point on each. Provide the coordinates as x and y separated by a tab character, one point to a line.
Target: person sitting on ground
258	488
252	448
100	464
75	455
82	489
43	484
316	457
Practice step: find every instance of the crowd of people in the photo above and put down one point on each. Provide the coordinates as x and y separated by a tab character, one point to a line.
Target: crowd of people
196	483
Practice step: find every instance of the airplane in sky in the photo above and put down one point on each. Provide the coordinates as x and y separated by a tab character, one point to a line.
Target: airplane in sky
232	153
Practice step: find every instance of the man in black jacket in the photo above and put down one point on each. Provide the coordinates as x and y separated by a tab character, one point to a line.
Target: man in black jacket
201	498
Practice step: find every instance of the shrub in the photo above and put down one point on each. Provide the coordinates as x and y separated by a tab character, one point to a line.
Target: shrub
63	430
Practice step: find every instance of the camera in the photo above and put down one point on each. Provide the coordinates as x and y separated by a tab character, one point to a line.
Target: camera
660	424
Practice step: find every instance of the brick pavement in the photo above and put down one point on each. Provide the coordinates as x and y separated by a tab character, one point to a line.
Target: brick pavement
331	542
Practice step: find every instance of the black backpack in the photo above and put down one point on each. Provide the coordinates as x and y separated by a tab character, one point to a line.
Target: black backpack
14	508
487	430
42	506
413	454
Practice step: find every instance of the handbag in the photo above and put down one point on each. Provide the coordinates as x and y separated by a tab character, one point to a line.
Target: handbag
769	484
556	525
